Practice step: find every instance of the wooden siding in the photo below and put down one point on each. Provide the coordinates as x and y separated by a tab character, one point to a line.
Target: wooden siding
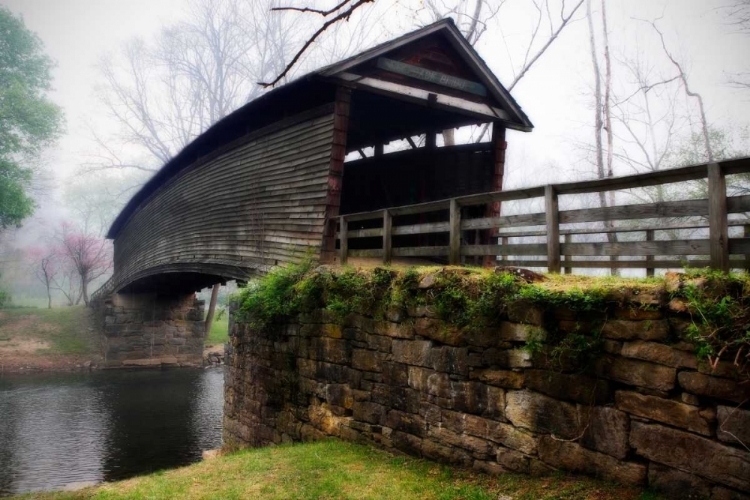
261	202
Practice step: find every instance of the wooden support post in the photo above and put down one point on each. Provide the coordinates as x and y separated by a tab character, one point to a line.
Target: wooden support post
553	229
718	232
431	140
378	150
505	243
493	209
343	240
454	254
387	246
746	234
649	258
568	258
335	173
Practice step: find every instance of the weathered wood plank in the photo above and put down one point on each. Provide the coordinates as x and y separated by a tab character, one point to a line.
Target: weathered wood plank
718	233
638	248
649	258
454	257
437	251
626	264
375	252
427	228
343	240
387	237
553	229
535	219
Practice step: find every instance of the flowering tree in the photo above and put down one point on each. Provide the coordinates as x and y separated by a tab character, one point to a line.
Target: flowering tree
90	256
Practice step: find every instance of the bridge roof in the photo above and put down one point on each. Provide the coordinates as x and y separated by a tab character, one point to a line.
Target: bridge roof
315	89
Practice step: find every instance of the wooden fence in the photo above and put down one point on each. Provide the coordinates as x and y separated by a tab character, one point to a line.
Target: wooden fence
650	219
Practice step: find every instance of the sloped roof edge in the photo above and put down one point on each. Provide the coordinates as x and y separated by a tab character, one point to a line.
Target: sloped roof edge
188	154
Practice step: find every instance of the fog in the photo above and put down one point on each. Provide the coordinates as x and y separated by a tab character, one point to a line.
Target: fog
97	164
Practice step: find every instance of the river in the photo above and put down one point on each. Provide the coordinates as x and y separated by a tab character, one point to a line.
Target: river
61	430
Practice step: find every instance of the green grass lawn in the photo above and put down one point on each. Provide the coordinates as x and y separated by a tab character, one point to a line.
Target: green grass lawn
65	329
219	333
337	470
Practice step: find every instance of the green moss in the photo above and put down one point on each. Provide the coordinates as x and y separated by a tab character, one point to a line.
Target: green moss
719	309
473	298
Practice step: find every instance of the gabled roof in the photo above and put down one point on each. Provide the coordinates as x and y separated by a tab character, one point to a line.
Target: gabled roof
447	28
275	104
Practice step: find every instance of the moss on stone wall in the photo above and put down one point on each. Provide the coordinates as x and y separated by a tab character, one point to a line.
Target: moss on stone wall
713	308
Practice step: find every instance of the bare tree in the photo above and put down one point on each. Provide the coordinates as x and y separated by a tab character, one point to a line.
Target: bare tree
89	255
682	75
164	94
602	114
45	271
538	42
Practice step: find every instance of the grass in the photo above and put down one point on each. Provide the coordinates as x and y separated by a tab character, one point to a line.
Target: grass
333	469
65	329
219	333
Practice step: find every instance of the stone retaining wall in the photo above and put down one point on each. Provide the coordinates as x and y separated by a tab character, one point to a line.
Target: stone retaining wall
646	412
151	330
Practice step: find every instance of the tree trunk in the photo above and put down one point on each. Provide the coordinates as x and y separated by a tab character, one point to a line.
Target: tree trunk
598	122
85	292
212	307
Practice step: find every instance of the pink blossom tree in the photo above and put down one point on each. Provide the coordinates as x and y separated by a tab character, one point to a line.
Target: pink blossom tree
90	256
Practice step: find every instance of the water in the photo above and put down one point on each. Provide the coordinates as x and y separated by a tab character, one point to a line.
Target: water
66	429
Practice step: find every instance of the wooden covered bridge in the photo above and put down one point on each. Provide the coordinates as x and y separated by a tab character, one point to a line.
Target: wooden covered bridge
310	169
267	184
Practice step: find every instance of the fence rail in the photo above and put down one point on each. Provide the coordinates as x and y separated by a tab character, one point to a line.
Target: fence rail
714	250
103	291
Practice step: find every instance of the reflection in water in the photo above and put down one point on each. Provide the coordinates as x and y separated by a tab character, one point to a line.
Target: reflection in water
58	429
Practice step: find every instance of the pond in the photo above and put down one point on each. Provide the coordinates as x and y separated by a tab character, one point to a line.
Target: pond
62	430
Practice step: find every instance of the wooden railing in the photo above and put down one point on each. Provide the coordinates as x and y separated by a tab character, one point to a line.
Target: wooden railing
103	291
711	213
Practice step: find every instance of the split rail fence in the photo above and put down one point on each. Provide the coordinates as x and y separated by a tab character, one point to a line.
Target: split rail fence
650	219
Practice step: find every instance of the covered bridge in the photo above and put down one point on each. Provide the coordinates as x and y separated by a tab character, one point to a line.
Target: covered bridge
265	185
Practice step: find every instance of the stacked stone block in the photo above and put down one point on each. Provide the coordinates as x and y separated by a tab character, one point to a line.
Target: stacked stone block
645	412
149	330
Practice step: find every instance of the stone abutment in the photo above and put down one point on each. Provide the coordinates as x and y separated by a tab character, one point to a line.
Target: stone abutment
152	330
645	412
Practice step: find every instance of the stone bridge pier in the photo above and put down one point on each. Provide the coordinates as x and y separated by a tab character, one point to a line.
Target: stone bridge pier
152	329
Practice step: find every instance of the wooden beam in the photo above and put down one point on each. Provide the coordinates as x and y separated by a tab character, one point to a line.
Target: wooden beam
553	229
717	218
420	96
342	106
454	257
568	259
343	240
387	239
649	258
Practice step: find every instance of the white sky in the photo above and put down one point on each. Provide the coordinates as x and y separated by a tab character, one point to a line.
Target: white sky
554	94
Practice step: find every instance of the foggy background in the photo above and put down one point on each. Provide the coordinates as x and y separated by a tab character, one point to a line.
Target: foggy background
105	50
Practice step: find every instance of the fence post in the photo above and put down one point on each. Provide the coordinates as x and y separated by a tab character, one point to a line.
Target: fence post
553	229
649	258
568	258
454	253
746	234
343	240
718	232
387	246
